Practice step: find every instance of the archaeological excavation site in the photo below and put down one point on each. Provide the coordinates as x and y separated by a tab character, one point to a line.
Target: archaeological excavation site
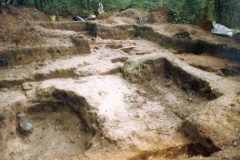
128	86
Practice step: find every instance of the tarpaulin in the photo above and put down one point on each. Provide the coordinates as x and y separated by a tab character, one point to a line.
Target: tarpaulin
222	30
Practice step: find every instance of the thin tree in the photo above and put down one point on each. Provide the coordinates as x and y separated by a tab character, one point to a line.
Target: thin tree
14	1
36	4
41	4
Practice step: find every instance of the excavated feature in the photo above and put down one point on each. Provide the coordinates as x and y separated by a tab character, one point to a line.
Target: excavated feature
128	99
156	34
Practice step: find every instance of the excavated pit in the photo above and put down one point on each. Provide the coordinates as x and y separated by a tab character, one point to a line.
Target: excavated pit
226	53
64	123
155	34
58	132
141	105
181	93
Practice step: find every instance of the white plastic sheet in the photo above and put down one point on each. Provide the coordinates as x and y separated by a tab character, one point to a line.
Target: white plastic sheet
222	30
91	17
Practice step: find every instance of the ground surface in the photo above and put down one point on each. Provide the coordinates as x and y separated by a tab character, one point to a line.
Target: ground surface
132	86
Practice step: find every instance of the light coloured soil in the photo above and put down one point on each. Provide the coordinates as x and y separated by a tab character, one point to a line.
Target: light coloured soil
119	97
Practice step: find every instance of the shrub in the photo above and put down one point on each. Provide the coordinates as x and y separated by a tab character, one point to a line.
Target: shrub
178	18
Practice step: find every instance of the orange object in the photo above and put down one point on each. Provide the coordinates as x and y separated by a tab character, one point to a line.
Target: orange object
100	9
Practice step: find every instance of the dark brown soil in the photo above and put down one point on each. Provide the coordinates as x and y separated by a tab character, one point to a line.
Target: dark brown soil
155	16
133	13
206	25
237	37
182	35
17	27
161	10
21	14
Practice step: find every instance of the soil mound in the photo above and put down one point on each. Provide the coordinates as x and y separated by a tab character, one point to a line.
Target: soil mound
18	27
133	13
159	16
161	10
25	13
206	25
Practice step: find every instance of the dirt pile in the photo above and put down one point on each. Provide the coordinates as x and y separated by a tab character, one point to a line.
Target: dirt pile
133	13
19	34
18	27
206	25
161	15
22	14
139	15
161	10
155	16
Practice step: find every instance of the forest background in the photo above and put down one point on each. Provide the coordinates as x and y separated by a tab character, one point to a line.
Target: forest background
226	12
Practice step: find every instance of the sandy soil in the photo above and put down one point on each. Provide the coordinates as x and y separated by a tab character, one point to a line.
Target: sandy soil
110	89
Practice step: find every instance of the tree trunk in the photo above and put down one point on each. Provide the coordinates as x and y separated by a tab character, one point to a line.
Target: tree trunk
219	10
41	5
1	9
36	4
21	2
44	3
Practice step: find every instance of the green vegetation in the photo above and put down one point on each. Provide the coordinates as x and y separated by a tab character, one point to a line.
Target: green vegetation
178	18
34	13
84	7
36	67
226	12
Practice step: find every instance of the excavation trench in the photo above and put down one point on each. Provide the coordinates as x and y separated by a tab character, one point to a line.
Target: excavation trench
150	33
154	107
161	77
58	129
58	132
67	123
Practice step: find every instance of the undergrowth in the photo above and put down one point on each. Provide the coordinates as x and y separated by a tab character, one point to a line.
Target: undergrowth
178	18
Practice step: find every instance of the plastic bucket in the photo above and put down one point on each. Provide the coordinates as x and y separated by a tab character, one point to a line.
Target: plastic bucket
53	18
59	18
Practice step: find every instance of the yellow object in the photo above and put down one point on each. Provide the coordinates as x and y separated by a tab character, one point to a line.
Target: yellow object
53	18
101	10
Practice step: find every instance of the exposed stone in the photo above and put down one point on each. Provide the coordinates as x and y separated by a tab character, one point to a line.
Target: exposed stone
220	73
27	86
25	125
